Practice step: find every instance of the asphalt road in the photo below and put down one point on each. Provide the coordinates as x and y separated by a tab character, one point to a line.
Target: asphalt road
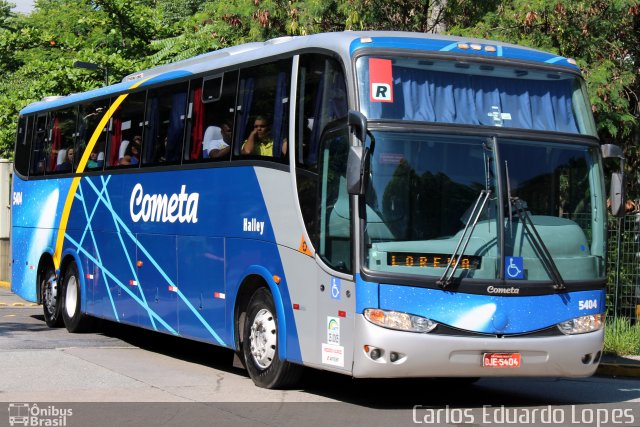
124	366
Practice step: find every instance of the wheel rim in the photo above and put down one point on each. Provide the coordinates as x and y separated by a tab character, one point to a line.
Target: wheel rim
71	296
263	338
50	294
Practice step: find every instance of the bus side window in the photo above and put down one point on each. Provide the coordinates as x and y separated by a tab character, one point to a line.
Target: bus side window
23	145
127	124
264	94
321	99
62	158
40	148
89	119
334	238
164	125
211	115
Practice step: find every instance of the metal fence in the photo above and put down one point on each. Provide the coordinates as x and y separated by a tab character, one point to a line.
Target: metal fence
623	291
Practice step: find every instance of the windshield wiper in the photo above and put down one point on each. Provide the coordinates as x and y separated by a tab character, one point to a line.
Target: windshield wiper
520	207
447	276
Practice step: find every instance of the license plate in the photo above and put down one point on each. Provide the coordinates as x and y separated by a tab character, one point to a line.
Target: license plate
501	360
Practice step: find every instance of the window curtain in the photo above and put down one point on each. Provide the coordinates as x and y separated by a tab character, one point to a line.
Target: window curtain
151	133
56	136
176	127
442	97
198	124
279	113
246	92
116	139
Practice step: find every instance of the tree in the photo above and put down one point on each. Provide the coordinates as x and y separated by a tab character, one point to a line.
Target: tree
602	35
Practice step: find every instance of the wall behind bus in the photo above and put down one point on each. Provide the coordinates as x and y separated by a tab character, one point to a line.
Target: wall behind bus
6	171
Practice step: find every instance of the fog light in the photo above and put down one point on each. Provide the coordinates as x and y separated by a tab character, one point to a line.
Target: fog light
393	356
586	359
375	354
597	358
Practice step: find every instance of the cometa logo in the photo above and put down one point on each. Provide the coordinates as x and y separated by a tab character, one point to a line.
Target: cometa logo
182	207
511	290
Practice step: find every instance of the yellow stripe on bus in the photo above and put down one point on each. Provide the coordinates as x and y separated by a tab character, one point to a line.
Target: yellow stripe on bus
81	165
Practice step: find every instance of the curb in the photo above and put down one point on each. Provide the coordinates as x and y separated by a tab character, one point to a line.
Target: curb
612	370
5	285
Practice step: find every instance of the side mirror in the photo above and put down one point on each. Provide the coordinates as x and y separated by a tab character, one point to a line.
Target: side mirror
358	170
616	194
358	122
616	191
359	160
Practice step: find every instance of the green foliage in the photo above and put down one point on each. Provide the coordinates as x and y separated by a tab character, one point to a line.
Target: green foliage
602	35
621	337
37	51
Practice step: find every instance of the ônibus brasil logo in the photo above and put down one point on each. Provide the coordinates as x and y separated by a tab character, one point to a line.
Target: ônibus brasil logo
26	414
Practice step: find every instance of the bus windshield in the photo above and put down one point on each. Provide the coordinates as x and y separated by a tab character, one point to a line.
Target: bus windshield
467	93
431	194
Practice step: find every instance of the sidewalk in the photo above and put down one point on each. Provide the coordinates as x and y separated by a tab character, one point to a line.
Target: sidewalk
11	300
619	366
610	365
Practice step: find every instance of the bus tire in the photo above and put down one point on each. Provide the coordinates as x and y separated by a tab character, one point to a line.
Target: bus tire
51	297
74	319
260	345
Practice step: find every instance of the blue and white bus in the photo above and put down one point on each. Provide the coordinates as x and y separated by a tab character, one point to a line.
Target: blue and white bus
415	206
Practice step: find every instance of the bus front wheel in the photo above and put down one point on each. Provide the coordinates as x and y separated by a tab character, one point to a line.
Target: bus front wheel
74	319
51	297
260	345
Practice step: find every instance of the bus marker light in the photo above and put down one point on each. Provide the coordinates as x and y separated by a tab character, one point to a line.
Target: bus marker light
572	61
133	283
89	276
173	289
490	48
219	295
476	46
139	264
365	40
296	306
342	313
276	279
463	46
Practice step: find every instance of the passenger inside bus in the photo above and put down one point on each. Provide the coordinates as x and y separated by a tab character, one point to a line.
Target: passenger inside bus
216	142
95	160
260	141
132	152
67	161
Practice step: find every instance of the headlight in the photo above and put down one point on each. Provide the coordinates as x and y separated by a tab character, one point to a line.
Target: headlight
582	325
399	321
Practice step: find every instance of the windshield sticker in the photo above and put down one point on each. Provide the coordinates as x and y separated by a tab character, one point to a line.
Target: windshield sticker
514	267
380	80
391	158
497	116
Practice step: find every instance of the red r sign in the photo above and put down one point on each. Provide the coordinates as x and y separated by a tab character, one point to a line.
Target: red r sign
380	80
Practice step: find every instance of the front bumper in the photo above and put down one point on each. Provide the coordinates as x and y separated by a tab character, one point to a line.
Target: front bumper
430	355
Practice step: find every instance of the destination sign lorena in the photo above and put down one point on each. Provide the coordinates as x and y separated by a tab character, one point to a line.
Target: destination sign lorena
404	259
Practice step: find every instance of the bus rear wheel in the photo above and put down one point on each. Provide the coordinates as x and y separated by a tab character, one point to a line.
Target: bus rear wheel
51	297
74	319
260	345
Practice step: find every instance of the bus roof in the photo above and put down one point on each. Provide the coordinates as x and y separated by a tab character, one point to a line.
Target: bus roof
346	44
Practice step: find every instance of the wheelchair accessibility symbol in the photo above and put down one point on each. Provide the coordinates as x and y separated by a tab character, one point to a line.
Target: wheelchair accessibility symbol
335	288
514	267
